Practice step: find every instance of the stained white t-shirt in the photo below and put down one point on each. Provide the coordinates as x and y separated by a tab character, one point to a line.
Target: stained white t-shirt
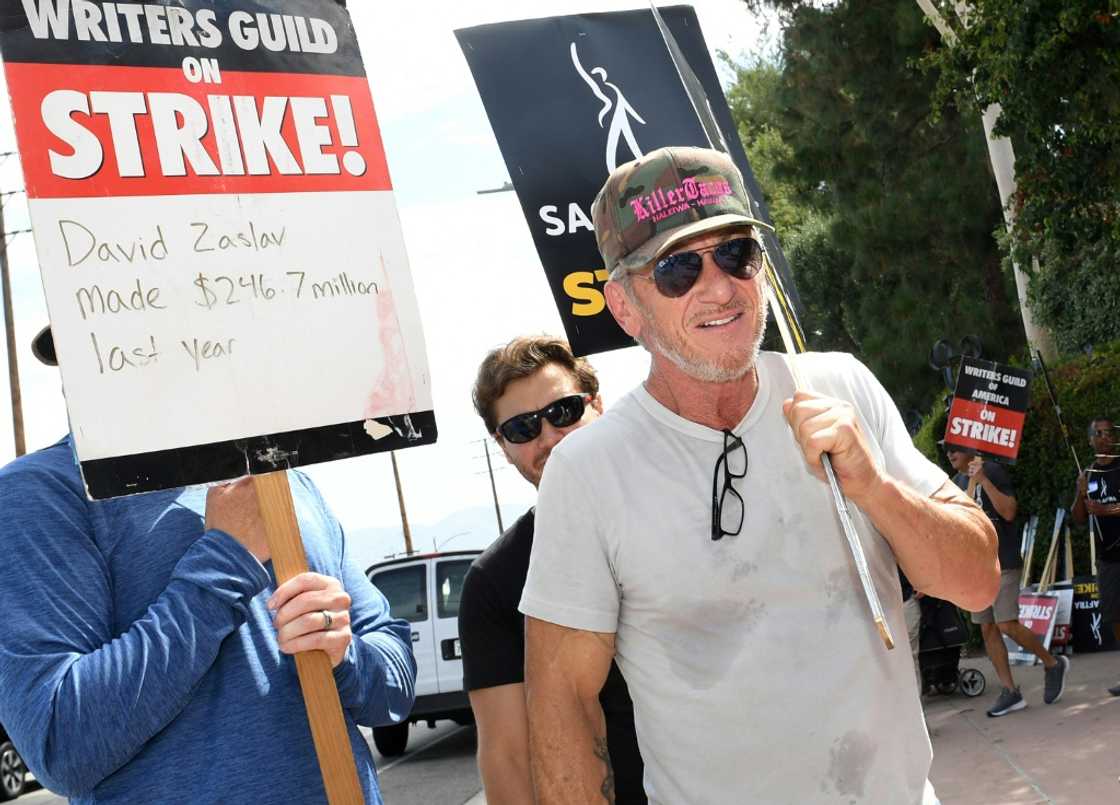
757	673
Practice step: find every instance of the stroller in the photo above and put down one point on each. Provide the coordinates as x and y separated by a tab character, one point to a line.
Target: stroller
941	636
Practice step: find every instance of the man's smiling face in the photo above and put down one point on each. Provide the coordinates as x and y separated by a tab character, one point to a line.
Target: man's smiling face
712	332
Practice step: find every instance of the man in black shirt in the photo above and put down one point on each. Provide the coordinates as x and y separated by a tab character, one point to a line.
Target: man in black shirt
530	394
989	484
1098	499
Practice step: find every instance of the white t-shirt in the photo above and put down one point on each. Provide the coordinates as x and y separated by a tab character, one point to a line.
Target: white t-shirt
757	673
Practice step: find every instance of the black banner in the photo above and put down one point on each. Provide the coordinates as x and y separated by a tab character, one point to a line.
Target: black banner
569	99
310	36
1090	631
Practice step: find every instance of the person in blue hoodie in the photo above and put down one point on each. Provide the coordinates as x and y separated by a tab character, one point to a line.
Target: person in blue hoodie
145	647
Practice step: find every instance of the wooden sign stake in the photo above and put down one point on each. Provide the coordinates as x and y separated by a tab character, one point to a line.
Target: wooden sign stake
320	695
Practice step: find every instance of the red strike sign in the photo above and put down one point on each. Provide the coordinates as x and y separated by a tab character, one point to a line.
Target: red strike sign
989	408
1037	612
985	427
120	131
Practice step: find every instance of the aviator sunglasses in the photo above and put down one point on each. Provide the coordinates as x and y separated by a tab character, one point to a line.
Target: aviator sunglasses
559	413
675	274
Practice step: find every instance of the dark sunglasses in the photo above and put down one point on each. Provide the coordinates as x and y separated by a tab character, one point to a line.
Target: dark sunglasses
676	274
560	414
727	503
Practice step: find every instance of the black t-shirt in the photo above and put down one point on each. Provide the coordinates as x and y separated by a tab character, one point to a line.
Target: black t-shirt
1009	541
492	636
1104	487
907	587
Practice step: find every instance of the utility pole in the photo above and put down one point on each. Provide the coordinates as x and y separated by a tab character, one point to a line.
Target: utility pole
1002	157
400	502
10	335
493	487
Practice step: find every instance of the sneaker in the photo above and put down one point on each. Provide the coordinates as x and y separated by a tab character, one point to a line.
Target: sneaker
1009	701
1114	690
1055	683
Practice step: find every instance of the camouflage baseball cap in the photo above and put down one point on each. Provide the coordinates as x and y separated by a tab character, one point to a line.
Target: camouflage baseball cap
663	198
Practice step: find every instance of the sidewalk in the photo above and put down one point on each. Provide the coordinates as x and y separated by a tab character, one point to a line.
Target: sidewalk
1067	752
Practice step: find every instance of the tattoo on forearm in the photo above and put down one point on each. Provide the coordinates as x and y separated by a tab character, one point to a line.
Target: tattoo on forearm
607	789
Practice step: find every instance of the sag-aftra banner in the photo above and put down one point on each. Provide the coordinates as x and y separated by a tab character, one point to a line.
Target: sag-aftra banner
569	99
218	238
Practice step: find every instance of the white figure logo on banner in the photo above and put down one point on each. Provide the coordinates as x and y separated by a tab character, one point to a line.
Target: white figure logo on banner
1095	625
620	119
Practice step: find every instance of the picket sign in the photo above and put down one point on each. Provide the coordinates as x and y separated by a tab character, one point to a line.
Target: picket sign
1038	609
1050	602
1062	642
222	259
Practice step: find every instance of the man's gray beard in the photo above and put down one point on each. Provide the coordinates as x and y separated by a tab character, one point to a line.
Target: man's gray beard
708	371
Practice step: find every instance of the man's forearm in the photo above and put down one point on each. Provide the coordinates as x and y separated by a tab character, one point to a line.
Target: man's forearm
568	744
945	544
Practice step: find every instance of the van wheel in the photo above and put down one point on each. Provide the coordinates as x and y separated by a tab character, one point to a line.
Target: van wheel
391	740
13	774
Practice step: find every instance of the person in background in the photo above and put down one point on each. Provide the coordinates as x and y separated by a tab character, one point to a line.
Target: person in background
531	393
989	484
1098	501
145	652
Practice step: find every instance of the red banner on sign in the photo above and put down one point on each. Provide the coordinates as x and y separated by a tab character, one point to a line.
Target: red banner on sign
988	428
146	131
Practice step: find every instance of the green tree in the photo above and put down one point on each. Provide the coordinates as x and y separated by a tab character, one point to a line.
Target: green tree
1054	67
887	212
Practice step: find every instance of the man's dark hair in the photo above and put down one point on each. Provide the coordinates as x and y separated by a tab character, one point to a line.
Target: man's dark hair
1095	420
520	358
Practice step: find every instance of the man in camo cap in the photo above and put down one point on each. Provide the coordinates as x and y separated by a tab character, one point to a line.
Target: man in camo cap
723	586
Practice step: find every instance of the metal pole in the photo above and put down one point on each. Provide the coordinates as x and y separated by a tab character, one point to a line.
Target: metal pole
400	501
493	487
10	334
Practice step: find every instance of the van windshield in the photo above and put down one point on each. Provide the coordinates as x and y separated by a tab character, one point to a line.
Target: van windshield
407	591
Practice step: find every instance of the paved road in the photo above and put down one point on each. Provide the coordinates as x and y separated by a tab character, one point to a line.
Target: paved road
438	769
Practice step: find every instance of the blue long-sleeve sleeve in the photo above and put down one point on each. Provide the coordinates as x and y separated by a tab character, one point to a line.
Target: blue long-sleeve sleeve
82	695
377	679
138	658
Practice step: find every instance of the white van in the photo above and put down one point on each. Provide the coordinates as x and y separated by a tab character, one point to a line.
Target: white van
425	589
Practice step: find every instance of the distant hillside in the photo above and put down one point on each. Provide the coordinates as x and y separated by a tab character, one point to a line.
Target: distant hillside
475	527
